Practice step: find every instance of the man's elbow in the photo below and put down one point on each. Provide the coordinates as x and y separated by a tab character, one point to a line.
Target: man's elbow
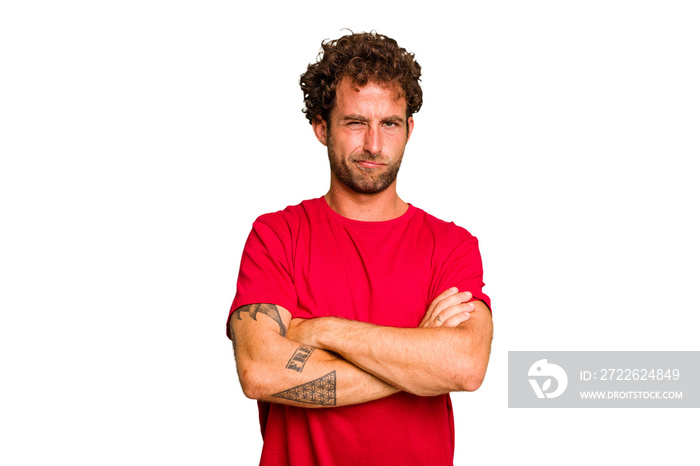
473	383
252	384
472	375
250	391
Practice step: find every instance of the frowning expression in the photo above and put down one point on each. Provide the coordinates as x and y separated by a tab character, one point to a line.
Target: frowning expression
366	136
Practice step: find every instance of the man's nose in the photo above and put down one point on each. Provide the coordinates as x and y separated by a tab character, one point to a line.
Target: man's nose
373	141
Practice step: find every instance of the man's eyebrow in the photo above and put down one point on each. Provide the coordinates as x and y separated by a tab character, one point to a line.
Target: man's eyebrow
356	117
395	118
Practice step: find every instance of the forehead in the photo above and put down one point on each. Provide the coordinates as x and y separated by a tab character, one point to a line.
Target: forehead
373	99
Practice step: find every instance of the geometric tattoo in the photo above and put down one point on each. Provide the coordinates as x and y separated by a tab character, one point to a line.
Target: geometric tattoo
269	310
299	358
319	392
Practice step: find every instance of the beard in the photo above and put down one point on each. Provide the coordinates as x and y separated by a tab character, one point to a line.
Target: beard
359	180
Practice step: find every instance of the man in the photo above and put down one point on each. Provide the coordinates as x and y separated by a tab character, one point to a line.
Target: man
357	313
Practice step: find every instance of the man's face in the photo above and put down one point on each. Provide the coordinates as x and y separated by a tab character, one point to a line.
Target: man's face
366	136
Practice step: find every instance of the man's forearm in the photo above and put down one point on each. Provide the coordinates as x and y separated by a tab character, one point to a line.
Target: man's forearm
275	369
326	381
423	361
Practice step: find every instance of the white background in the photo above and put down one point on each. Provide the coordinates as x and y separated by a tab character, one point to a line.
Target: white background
140	139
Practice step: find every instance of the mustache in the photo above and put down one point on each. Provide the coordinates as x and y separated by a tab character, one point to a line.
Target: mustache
369	159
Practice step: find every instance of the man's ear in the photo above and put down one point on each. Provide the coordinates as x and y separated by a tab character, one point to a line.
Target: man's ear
320	130
410	128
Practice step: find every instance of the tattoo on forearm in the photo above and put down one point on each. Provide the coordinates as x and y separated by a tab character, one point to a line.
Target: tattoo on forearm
299	358
317	392
269	310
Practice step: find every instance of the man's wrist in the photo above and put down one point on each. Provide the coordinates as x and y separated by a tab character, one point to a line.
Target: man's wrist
315	331
323	331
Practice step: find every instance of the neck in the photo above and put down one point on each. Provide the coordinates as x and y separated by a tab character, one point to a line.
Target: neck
386	205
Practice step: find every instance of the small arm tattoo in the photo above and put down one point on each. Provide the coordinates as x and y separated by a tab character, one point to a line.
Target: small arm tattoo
299	358
269	310
317	392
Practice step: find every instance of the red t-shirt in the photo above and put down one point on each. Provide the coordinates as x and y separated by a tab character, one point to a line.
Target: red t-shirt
314	263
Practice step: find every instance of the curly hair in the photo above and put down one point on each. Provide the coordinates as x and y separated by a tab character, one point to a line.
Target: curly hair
364	57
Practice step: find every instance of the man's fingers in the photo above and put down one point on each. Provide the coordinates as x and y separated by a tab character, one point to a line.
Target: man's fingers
456	319
443	317
448	304
452	300
445	294
431	308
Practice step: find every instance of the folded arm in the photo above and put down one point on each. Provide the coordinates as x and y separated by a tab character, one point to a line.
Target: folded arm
449	353
279	370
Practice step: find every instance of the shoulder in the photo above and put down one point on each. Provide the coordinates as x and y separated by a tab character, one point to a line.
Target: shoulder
290	216
446	232
276	233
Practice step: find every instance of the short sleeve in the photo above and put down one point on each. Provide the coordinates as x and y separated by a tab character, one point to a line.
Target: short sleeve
265	274
461	267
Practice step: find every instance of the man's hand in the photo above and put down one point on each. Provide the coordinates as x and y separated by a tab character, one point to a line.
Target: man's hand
449	309
302	330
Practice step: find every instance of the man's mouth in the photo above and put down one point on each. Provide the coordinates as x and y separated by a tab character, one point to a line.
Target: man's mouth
369	164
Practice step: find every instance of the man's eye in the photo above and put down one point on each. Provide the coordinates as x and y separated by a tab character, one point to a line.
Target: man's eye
391	124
